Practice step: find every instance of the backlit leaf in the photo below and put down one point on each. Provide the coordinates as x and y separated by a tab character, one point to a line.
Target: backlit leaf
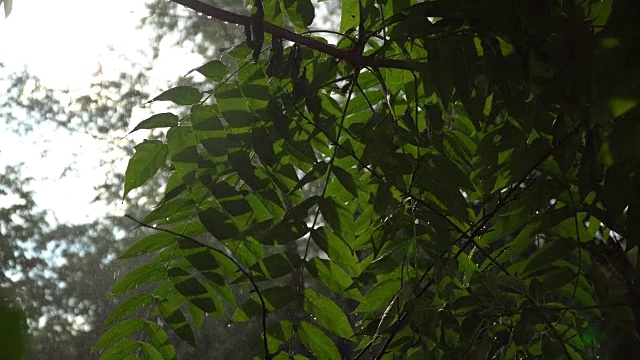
122	330
149	157
157	121
317	342
214	70
327	313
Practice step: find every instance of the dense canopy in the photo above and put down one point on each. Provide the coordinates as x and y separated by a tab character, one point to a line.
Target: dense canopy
453	179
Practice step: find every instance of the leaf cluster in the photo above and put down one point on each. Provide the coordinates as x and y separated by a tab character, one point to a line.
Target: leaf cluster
483	204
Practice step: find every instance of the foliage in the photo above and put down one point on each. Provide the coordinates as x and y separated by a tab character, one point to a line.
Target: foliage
454	179
8	6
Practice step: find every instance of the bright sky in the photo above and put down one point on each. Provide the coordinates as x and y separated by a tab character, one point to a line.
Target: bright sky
65	43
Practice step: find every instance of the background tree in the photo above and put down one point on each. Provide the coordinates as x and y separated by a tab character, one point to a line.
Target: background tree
61	274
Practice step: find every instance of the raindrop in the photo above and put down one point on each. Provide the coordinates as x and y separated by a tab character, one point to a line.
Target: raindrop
199	14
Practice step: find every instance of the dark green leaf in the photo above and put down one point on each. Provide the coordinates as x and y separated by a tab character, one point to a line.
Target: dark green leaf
240	51
168	210
317	171
192	289
180	95
150	156
339	217
128	306
218	224
274	298
557	249
277	265
120	350
178	323
263	145
120	331
552	349
157	121
301	12
148	244
214	70
147	272
346	180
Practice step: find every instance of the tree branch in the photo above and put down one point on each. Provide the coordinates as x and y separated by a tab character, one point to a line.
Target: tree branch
355	59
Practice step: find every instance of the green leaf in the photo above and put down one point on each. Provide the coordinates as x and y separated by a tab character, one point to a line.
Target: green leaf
182	147
301	12
218	224
263	145
233	106
284	231
240	51
171	211
147	272
337	249
555	278
327	314
350	15
8	6
128	306
150	352
120	350
277	265
254	86
317	171
345	180
214	70
160	339
197	316
317	342
150	156
524	331
180	95
157	121
549	253
275	298
620	105
551	349
379	296
242	164
599	11
120	331
339	217
178	323
192	289
522	162
148	244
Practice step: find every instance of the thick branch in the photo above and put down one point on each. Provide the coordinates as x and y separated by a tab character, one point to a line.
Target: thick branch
339	54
